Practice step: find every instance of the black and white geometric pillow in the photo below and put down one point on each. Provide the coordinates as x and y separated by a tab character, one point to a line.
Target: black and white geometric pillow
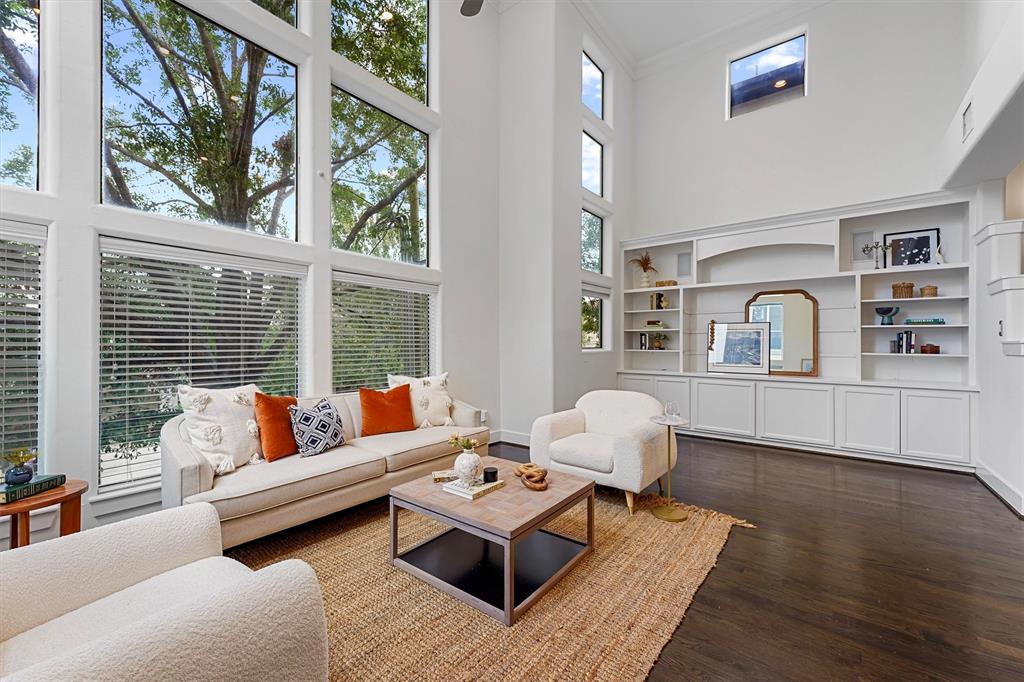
316	429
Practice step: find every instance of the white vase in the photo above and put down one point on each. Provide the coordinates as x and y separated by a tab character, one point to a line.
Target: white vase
645	279
468	467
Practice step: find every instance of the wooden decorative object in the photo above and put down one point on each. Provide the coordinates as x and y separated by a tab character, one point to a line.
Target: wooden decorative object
903	290
929	291
711	335
930	349
68	496
666	283
533	476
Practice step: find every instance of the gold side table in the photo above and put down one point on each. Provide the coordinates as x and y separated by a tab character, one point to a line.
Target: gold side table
666	512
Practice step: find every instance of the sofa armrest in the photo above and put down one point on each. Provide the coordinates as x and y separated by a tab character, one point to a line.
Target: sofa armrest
551	427
464	414
78	569
183	471
653	440
219	636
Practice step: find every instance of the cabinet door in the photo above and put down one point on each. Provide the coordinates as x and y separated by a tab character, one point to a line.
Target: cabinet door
636	382
677	390
868	418
723	406
798	413
935	425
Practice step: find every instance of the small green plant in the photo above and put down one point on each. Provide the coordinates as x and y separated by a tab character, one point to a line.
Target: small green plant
461	442
19	457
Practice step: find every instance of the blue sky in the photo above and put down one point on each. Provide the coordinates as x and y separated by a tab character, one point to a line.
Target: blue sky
593	83
592	176
26	118
789	52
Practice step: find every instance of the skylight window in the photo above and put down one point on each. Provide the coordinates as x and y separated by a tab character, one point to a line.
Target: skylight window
773	75
593	86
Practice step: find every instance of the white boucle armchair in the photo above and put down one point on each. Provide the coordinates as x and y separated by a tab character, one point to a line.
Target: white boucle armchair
608	438
151	598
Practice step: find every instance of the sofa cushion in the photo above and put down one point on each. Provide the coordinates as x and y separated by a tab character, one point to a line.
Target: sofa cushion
119	610
221	424
386	411
407	448
349	420
262	486
275	424
593	451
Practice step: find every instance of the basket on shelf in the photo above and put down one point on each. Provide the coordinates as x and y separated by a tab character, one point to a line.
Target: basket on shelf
902	289
929	291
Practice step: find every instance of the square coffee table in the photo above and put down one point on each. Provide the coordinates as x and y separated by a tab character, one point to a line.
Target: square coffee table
496	556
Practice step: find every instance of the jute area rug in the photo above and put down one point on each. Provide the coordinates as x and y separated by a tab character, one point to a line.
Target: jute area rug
608	619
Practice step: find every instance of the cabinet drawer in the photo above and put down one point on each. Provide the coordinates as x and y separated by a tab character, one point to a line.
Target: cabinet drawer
935	425
677	390
636	382
797	413
868	419
723	406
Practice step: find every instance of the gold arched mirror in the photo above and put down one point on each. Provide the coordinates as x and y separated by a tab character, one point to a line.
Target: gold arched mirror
792	315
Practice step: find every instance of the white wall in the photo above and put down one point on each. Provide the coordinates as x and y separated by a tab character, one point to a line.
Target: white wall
884	80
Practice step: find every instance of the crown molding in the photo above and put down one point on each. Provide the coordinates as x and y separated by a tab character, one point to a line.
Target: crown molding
597	26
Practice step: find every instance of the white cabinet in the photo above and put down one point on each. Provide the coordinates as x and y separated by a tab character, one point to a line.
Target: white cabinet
935	425
723	406
676	389
868	419
795	412
636	382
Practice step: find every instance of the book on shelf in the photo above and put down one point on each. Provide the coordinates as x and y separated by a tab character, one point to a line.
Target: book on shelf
924	320
444	476
472	492
39	484
905	342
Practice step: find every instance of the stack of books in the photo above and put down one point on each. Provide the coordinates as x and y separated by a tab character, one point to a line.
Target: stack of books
925	320
905	342
472	492
39	484
654	324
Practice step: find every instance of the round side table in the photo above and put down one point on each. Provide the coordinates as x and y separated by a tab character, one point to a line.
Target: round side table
68	496
666	512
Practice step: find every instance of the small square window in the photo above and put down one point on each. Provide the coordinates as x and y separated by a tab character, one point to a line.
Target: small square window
593	165
767	77
591	322
591	242
593	86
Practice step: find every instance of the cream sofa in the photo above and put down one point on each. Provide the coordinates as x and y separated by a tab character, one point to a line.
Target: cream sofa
608	438
151	598
259	499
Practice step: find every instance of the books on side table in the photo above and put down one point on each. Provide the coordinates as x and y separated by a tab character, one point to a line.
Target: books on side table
39	484
474	491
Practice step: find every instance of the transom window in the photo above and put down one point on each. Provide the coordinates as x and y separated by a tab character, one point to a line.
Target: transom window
773	75
19	92
388	38
198	123
591	322
593	86
379	190
593	165
591	242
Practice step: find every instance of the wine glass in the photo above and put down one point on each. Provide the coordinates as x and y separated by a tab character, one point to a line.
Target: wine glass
672	410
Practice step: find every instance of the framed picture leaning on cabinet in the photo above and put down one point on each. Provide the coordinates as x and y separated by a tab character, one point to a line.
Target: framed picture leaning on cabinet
738	347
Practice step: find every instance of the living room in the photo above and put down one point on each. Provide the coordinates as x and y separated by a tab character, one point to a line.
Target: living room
513	339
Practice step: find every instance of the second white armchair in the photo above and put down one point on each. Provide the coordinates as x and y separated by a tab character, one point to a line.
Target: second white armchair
609	438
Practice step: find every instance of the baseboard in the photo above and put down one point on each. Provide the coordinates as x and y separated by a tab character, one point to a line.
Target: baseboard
513	437
1009	495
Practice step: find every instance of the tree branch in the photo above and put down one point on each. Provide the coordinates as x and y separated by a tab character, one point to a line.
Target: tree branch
148	102
22	70
154	45
381	205
115	181
178	182
274	111
213	65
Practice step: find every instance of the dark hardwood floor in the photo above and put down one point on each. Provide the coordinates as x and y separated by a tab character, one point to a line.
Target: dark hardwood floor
856	570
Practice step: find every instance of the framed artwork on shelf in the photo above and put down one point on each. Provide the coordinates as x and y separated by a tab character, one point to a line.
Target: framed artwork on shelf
738	347
913	247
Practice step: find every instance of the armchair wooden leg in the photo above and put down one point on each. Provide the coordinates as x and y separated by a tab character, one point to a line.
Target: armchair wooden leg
629	501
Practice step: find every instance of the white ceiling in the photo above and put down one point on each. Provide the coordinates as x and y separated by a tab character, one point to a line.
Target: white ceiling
643	29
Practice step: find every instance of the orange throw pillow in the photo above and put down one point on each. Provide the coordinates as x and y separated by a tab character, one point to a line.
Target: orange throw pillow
275	425
386	411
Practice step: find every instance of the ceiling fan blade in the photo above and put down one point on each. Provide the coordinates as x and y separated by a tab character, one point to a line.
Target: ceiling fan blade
470	8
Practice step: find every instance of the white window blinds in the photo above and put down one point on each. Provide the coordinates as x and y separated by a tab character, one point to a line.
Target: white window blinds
21	261
172	316
379	327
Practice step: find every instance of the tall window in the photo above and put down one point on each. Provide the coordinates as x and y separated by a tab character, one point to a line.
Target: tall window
772	75
19	92
171	317
593	165
591	322
379	191
388	38
591	242
198	123
380	327
20	342
593	87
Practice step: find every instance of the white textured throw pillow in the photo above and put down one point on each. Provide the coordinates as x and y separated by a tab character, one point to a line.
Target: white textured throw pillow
431	404
221	423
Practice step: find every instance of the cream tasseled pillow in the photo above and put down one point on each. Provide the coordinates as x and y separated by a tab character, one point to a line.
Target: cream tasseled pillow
431	404
221	422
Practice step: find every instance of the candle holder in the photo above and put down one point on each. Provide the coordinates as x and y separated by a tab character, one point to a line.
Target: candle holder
869	249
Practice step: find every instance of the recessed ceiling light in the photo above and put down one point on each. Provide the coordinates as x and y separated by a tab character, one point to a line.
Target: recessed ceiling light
203	158
163	50
236	98
386	16
780	84
37	10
